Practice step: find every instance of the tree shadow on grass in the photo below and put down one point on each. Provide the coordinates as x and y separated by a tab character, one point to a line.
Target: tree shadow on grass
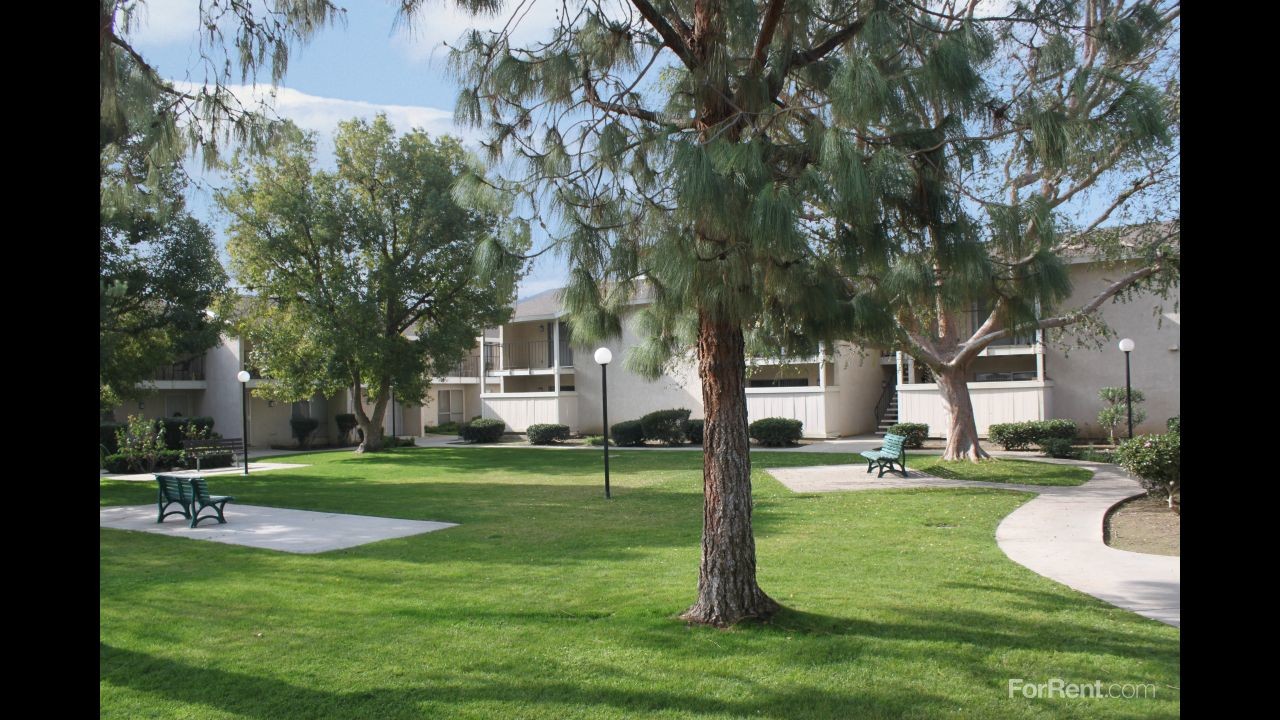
549	690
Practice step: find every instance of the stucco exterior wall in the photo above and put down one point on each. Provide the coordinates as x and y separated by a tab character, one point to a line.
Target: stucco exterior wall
221	400
631	396
1155	360
852	410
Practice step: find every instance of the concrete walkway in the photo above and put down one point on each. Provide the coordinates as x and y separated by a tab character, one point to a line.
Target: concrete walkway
1058	534
233	470
295	531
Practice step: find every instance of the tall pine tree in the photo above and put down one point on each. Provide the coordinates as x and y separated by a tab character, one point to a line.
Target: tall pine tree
695	144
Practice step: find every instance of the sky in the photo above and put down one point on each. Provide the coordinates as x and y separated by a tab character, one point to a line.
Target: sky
365	65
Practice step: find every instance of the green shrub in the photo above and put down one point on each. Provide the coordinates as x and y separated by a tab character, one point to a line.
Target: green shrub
141	441
346	422
210	461
694	430
482	430
1174	425
547	433
1057	447
1116	411
598	440
117	464
107	436
302	429
665	426
169	460
915	433
1156	460
1020	436
627	432
775	432
175	429
449	428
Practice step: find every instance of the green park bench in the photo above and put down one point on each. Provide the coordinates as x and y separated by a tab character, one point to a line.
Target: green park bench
893	452
192	496
201	448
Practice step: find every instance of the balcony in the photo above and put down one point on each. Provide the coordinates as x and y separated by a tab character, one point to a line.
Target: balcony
192	369
534	355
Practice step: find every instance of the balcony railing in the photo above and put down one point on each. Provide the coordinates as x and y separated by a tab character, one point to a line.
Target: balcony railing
533	355
192	369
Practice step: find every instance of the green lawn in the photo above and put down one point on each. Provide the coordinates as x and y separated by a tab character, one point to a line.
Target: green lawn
550	602
1005	470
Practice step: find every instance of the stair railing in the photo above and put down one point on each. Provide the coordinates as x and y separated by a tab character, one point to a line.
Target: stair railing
887	393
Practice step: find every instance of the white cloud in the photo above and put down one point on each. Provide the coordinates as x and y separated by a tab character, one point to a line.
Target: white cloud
163	22
437	23
314	112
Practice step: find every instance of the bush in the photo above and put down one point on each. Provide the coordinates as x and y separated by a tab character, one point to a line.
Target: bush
775	432
210	461
175	429
117	463
107	436
1057	447
1020	436
666	426
547	433
1116	411
915	433
693	429
141	441
482	430
1174	425
169	460
627	432
302	429
598	440
1156	460
346	422
449	428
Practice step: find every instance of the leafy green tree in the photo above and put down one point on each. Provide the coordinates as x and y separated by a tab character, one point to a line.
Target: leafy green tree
159	274
1061	143
687	143
363	276
1116	410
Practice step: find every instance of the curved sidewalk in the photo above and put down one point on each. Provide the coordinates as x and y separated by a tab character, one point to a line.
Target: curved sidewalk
1057	534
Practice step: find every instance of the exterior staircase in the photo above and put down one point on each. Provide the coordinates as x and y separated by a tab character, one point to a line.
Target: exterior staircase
890	417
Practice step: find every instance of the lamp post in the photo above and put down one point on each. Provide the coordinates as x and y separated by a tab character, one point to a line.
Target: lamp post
1126	346
603	356
243	377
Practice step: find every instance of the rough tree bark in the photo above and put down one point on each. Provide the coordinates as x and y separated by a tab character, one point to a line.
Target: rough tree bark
727	589
962	430
366	422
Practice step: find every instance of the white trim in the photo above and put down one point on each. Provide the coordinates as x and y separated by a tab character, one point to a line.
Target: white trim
814	389
1001	385
498	396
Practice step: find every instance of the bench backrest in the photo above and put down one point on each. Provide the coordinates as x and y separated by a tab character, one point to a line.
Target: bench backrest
893	444
206	445
200	488
174	488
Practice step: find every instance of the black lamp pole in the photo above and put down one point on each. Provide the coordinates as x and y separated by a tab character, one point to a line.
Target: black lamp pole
604	404
1128	392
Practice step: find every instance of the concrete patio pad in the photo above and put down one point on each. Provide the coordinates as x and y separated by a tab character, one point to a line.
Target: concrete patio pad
295	531
234	470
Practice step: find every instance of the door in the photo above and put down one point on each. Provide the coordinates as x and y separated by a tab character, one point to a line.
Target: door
448	406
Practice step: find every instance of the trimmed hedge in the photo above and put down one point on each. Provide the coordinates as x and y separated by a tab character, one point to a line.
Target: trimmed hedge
482	430
915	433
1020	436
346	422
547	433
694	430
174	426
627	432
120	463
449	428
1174	424
1057	447
598	440
775	432
667	426
302	429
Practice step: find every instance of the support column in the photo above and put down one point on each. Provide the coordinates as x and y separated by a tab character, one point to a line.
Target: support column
555	357
1040	355
897	368
822	366
911	370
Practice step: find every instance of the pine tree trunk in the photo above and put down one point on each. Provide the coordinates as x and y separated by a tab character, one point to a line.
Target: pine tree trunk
962	433
727	589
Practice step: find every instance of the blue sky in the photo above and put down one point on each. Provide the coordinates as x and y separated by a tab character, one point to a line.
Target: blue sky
361	67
